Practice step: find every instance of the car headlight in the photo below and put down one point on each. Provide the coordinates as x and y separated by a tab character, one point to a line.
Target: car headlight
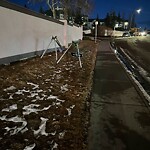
143	33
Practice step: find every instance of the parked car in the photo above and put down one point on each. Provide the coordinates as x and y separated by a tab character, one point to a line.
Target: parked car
126	34
148	33
131	33
143	33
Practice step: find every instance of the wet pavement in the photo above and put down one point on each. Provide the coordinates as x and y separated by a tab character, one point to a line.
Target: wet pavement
119	118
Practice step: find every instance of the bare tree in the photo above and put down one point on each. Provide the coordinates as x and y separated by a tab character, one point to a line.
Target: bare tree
68	5
84	5
51	4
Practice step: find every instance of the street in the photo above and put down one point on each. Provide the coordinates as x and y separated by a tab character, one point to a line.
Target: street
119	118
138	49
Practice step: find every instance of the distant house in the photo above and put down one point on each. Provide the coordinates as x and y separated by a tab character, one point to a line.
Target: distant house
90	23
103	30
126	24
85	19
102	22
122	25
59	12
71	19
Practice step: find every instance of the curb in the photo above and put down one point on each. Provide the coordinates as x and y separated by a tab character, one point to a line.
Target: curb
137	88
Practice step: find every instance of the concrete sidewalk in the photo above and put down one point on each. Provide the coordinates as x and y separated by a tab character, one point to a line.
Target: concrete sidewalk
119	118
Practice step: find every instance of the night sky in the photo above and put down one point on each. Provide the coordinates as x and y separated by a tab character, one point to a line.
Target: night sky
126	7
101	7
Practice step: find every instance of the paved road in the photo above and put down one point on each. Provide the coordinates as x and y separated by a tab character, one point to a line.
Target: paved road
137	48
119	119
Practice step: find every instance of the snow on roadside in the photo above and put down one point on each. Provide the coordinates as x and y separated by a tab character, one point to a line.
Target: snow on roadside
143	72
142	89
137	83
146	95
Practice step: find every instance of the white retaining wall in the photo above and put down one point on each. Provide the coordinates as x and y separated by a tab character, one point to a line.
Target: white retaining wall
21	33
74	33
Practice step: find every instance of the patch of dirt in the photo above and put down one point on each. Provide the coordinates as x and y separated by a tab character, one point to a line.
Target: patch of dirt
44	105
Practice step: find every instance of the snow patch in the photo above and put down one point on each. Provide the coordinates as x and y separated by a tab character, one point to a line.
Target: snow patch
47	80
46	108
10	88
58	102
143	72
42	127
30	147
62	134
30	108
136	81
11	108
55	146
33	94
58	77
59	71
16	119
35	85
64	88
69	109
39	91
140	87
19	92
51	97
11	96
53	133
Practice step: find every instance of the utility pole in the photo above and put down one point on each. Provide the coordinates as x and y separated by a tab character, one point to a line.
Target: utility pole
133	17
96	23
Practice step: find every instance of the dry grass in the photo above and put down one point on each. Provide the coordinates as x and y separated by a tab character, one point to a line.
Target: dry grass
43	104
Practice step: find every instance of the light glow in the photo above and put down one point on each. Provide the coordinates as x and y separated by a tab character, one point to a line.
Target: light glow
138	11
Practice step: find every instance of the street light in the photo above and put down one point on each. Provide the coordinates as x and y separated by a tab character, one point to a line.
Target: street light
138	11
96	23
